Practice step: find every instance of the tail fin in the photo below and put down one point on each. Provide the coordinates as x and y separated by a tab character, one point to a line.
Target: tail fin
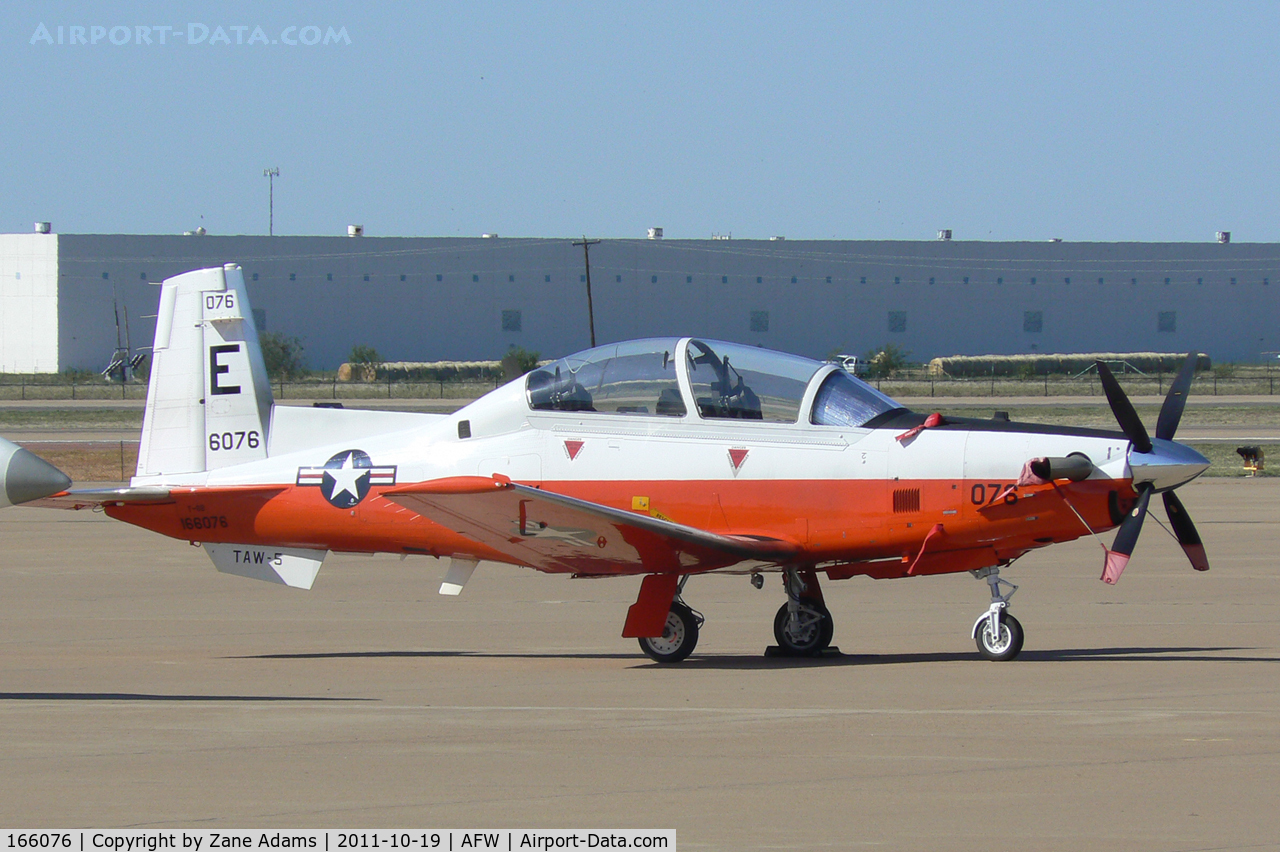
209	400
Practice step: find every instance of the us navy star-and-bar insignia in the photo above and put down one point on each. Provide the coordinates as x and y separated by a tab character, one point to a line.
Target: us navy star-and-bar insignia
345	479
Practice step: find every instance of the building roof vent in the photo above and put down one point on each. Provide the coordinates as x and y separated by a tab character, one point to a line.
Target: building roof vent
1224	237
355	230
655	233
44	227
945	234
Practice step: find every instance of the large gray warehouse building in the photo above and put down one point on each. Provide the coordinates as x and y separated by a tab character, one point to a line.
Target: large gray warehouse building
429	298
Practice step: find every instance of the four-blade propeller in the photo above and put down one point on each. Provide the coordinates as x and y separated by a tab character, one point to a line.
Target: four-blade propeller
1162	455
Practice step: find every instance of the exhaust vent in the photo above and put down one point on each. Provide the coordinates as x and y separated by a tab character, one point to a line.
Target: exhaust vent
906	500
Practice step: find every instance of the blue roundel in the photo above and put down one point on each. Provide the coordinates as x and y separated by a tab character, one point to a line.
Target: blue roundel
346	478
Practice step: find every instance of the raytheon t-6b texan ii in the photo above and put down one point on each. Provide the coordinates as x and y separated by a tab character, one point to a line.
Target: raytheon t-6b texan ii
660	458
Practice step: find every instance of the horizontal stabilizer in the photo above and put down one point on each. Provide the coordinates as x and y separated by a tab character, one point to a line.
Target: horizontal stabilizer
288	566
555	532
89	498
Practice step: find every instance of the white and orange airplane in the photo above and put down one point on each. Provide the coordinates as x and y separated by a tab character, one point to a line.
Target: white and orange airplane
662	458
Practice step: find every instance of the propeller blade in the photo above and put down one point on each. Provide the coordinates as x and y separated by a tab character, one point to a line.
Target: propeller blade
1186	532
1126	538
1128	419
1171	411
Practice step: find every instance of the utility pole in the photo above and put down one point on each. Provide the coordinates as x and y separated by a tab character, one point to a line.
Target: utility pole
586	260
271	175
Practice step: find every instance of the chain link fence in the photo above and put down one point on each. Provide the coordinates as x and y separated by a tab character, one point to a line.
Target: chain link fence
1249	382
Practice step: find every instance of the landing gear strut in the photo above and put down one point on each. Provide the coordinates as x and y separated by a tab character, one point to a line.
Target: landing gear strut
997	633
679	635
803	626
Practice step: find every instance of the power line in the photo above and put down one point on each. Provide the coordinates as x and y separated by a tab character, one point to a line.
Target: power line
586	259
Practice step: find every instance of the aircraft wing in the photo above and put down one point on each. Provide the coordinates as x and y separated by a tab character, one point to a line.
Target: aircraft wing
554	532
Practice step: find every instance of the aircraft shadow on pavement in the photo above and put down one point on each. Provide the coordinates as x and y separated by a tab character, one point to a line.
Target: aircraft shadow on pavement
1057	655
754	661
514	655
145	696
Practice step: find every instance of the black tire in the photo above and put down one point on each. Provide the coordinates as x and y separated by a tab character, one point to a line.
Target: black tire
814	637
679	637
1009	644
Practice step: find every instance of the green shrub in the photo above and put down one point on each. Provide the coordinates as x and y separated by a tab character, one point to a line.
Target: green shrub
517	362
283	356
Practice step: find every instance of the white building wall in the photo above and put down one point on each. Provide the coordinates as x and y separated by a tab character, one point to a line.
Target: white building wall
28	303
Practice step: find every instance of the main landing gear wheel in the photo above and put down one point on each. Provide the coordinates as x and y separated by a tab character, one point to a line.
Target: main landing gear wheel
679	636
1006	646
809	632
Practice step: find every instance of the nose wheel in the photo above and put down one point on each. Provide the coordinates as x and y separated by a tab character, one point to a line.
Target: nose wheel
1005	644
997	633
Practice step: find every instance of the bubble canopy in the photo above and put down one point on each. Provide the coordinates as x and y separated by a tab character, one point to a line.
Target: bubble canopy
725	381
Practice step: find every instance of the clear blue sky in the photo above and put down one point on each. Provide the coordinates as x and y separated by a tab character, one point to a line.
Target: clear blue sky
1003	121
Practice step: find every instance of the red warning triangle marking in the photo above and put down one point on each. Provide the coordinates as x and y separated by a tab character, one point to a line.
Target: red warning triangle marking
737	457
573	448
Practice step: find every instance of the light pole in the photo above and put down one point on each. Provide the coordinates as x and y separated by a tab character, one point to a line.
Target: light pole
586	259
271	175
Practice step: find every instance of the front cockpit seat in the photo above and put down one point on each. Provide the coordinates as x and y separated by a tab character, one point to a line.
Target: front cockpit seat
670	403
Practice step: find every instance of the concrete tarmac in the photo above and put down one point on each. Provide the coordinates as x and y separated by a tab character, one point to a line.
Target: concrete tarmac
139	688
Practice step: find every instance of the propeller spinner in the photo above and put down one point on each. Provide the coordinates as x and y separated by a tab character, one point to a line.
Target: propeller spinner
1157	465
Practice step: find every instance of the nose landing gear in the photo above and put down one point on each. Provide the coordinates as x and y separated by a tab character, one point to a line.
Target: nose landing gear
997	633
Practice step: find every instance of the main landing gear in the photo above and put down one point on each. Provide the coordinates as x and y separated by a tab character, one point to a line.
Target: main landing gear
679	635
997	633
803	626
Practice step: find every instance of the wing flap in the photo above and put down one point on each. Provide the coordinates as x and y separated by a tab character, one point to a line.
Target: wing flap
559	533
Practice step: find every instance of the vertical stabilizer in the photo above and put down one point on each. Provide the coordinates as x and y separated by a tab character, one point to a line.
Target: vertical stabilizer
209	401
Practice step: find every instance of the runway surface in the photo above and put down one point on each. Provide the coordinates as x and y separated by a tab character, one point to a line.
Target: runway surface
140	688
